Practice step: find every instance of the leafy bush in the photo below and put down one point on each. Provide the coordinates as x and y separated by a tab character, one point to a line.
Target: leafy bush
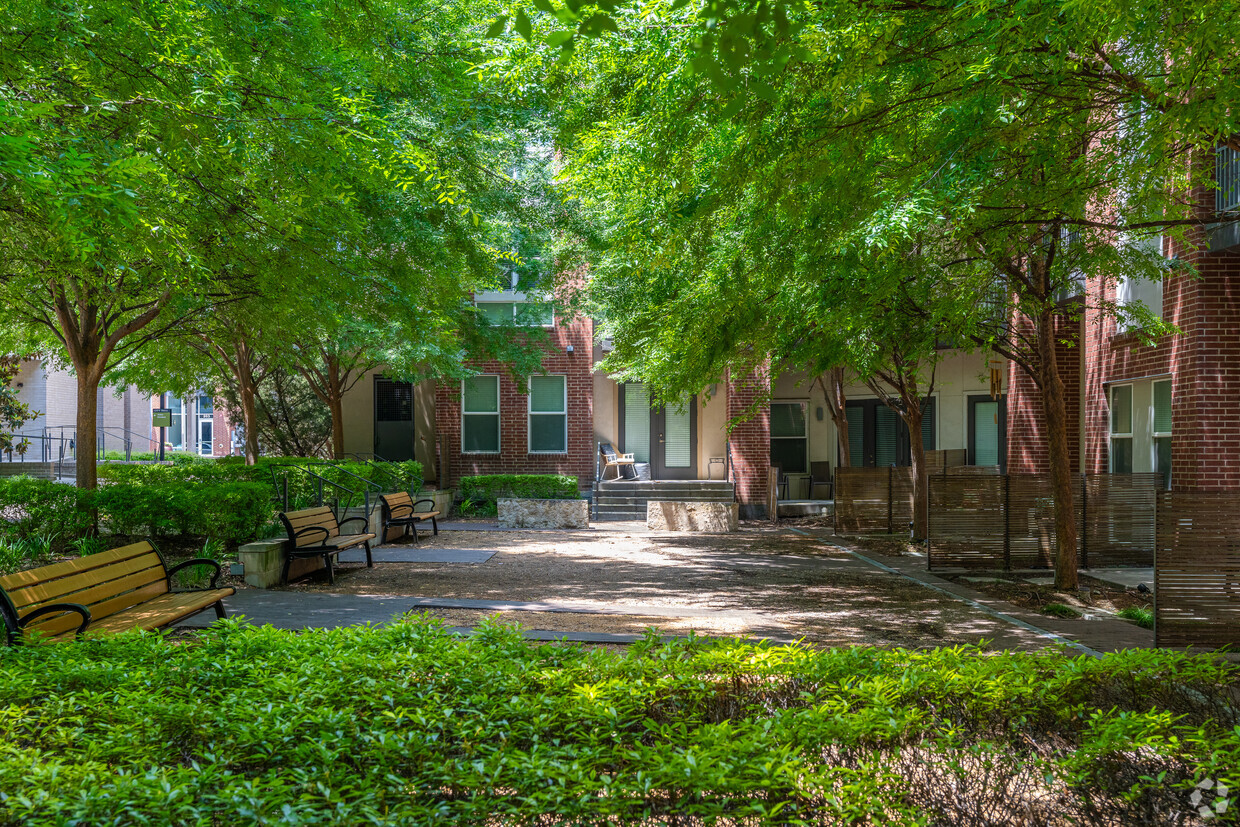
32	508
407	724
1142	617
229	511
18	553
479	494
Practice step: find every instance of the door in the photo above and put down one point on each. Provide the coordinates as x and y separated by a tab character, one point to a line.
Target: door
665	436
673	440
988	431
204	436
393	419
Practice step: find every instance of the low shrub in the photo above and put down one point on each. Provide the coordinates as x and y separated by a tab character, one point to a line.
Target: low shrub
34	508
1060	610
479	494
408	724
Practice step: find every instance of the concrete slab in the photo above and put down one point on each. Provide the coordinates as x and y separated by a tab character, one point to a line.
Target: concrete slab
495	526
1124	578
414	554
584	607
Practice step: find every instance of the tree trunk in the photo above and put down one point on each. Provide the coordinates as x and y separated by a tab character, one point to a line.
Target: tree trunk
917	461
833	392
249	409
337	409
335	400
86	439
1054	406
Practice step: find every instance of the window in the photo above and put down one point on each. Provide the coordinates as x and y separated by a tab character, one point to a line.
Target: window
878	437
1162	431
1121	429
520	313
789	440
1227	177
480	415
1144	291
548	415
176	433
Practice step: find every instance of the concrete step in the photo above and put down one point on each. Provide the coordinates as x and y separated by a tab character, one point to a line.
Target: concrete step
688	485
683	497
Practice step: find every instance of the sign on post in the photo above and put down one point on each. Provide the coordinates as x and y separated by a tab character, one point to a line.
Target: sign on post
161	418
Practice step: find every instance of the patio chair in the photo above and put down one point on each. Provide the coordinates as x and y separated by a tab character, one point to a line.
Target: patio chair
820	480
781	485
622	463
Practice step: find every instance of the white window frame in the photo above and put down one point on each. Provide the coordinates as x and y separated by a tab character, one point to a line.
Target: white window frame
1156	435
499	424
530	413
1111	434
516	298
805	407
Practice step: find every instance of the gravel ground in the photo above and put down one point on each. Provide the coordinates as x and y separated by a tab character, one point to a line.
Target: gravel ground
801	587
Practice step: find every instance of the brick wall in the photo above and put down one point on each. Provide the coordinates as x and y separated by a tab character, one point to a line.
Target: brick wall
1028	448
750	440
1203	361
514	456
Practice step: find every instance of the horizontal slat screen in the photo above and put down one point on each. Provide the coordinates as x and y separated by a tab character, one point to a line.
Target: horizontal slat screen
1197	575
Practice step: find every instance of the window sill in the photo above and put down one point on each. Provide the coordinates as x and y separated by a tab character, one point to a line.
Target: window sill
480	453
547	453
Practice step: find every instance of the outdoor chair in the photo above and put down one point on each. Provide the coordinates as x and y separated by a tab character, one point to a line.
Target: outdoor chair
821	481
622	463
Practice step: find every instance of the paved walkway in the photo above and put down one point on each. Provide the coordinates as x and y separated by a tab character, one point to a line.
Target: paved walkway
607	584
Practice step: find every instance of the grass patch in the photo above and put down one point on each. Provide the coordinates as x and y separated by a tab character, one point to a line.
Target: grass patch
1142	617
1060	610
408	724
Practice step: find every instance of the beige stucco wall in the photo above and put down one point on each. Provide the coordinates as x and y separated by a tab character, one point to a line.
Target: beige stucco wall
959	375
712	429
606	409
359	420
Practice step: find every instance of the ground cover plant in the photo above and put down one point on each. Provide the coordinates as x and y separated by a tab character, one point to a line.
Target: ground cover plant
409	724
479	494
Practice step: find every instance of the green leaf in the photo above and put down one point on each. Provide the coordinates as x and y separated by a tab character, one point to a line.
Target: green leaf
521	25
497	28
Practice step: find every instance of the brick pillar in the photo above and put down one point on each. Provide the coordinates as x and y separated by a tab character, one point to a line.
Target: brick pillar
1028	447
750	439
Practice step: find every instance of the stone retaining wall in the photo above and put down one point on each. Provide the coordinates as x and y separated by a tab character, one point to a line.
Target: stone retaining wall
515	513
706	518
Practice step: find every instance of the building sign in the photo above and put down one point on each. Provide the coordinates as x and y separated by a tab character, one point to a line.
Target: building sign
161	418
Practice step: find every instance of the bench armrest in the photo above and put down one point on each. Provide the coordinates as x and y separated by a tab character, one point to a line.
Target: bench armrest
57	608
197	561
425	500
363	520
297	534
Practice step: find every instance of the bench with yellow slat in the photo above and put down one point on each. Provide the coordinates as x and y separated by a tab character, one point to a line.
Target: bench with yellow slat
401	511
125	588
315	532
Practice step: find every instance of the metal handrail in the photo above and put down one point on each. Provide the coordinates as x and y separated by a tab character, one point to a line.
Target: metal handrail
283	492
380	464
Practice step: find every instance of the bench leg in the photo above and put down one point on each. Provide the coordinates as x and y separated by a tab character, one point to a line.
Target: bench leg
288	561
435	525
219	610
331	575
370	563
414	527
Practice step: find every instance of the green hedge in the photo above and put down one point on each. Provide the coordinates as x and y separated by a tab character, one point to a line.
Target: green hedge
233	469
234	512
407	724
479	494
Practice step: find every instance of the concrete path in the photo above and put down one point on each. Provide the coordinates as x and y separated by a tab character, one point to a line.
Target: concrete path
414	554
1093	636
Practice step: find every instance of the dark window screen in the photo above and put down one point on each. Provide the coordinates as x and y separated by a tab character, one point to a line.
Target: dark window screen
393	401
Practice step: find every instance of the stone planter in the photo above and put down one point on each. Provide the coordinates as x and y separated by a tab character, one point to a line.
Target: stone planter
264	559
544	513
705	518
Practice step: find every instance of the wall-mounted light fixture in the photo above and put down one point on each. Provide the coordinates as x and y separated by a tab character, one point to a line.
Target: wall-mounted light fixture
818	413
569	350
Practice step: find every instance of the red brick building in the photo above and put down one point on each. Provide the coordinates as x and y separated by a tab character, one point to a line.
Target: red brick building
1167	407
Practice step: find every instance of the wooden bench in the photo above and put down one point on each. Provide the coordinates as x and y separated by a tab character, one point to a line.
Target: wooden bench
315	532
105	593
401	511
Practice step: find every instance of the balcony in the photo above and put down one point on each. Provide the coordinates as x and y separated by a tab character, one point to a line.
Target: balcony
1227	176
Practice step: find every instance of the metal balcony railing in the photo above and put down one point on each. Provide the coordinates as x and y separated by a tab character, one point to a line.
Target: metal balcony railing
1227	177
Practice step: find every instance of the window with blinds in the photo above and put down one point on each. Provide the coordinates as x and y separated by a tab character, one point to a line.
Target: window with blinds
878	437
637	421
678	435
1121	429
480	415
855	414
1162	431
789	439
548	415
